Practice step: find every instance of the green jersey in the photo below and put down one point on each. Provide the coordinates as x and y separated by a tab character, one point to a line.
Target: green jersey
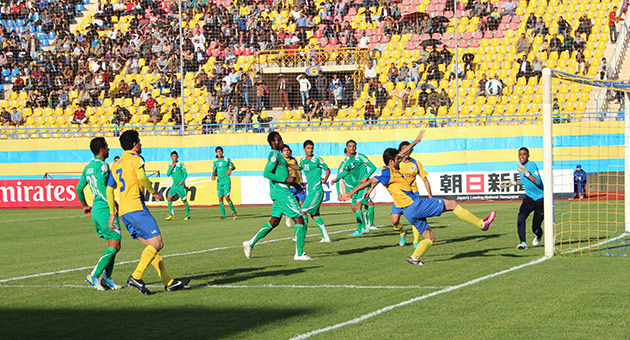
312	168
357	166
277	172
178	172
221	167
95	175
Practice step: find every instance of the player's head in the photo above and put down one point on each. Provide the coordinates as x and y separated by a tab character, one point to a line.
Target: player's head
309	146
174	156
352	147
286	151
275	140
402	145
219	152
116	158
130	140
391	158
523	155
98	146
345	151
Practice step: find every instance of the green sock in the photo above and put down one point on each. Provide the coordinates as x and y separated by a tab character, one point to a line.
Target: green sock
187	208
170	208
222	209
300	238
261	233
360	220
321	226
110	267
370	215
103	261
232	207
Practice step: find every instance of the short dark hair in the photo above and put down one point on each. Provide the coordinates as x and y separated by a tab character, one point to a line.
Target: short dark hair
116	158
389	154
524	148
286	146
402	145
127	139
218	148
351	141
308	142
272	136
345	151
174	153
96	144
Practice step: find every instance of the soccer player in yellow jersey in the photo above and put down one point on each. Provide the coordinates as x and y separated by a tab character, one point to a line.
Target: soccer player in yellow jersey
127	174
409	169
416	209
294	171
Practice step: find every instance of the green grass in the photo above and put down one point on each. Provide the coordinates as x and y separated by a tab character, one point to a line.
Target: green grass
570	297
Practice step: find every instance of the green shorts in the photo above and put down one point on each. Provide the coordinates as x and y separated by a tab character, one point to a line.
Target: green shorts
100	217
312	202
285	204
358	197
178	190
223	189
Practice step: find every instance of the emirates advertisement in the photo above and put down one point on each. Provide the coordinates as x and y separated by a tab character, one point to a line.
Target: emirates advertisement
34	193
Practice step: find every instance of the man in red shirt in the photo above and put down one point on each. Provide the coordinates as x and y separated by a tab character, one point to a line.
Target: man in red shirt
612	19
153	110
79	116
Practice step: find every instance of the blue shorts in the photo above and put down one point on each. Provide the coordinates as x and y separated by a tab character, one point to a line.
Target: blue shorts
396	210
422	208
300	196
140	224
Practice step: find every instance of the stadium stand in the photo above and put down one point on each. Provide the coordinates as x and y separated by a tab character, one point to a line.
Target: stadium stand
409	62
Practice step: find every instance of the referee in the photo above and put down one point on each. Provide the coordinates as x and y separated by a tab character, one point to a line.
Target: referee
533	201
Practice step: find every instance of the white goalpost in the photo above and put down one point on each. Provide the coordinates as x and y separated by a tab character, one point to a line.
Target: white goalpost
599	220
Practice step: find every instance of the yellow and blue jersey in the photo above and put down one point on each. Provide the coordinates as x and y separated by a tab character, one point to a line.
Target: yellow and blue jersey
123	176
400	189
409	171
293	172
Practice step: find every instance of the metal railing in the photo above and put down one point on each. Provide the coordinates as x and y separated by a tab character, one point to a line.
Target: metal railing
336	124
601	104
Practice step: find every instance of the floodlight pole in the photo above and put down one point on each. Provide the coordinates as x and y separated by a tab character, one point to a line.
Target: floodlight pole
547	109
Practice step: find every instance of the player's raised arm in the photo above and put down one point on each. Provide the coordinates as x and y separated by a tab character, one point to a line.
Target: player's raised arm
406	150
370	165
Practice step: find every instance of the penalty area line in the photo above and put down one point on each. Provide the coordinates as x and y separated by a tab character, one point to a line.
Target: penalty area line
238	286
416	299
63	271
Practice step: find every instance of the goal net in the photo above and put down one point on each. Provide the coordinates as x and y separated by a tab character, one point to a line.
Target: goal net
585	172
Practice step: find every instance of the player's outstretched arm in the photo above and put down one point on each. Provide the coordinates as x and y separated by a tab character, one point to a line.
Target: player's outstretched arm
269	171
427	185
348	195
406	151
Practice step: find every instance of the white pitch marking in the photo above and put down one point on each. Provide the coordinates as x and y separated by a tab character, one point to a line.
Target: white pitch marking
170	255
416	299
624	234
243	286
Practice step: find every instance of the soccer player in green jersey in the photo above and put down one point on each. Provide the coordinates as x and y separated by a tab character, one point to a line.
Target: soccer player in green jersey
355	172
222	169
312	166
95	175
284	203
177	170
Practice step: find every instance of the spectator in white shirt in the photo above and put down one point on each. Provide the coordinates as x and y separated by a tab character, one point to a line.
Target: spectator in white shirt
305	86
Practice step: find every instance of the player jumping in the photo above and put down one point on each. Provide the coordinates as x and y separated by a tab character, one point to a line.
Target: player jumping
416	209
129	176
222	169
178	171
284	203
95	175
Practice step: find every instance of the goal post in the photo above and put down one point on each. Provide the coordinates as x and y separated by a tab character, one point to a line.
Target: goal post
599	220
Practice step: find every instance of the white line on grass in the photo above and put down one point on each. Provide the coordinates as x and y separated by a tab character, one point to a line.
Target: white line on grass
624	234
169	255
416	299
242	286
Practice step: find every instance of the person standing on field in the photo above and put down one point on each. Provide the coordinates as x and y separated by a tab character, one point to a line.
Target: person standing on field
533	201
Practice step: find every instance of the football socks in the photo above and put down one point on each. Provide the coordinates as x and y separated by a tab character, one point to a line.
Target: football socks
106	258
422	248
158	264
232	206
187	207
170	208
300	238
145	259
222	208
322	228
261	233
465	215
360	220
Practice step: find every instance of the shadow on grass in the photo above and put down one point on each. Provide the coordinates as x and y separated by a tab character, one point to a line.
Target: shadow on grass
364	249
244	274
140	323
479	237
478	253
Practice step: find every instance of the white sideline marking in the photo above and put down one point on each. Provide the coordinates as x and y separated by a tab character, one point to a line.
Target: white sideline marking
243	286
45	219
165	256
416	299
624	234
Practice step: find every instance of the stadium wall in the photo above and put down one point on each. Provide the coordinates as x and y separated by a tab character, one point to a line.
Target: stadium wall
463	162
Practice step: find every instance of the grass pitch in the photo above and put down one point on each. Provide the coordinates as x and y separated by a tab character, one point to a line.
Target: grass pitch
270	296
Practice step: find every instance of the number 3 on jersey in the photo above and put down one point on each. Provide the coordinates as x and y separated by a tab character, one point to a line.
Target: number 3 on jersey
119	172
